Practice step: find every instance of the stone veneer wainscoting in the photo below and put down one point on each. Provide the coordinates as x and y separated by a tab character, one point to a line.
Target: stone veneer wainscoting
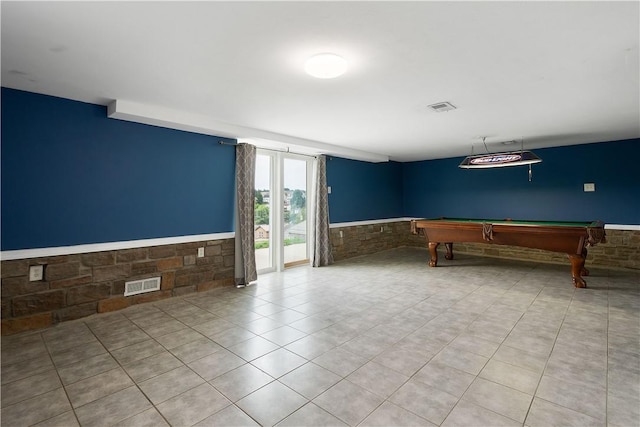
356	240
621	250
79	285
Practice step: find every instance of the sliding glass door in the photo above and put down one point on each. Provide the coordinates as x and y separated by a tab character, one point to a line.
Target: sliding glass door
281	226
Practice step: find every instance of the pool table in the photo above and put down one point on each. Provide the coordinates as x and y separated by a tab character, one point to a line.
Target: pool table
571	238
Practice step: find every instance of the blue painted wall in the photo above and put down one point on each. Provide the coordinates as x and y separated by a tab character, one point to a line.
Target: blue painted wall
363	191
71	176
439	188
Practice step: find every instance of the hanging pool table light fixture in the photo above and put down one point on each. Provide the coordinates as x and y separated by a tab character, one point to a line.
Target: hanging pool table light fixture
500	160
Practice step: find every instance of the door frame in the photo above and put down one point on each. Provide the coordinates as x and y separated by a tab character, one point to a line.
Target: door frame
276	216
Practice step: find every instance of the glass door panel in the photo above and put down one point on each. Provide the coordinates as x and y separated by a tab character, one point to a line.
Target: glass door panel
263	232
295	224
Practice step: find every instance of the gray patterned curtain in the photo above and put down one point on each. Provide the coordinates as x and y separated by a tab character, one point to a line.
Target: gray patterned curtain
245	265
322	254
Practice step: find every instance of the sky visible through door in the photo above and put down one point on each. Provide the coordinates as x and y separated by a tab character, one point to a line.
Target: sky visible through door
294	179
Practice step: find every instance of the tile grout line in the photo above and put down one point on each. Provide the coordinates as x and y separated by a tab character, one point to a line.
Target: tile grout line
606	399
232	403
549	356
64	388
488	359
127	373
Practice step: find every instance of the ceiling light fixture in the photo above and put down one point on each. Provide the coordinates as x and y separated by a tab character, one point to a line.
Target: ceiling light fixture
326	66
499	160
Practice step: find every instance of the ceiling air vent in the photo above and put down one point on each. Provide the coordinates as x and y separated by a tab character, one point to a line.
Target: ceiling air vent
441	107
141	286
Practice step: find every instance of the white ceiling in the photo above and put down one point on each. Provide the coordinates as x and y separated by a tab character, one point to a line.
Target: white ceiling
549	73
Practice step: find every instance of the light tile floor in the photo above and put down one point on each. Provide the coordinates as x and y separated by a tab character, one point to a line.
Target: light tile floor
380	340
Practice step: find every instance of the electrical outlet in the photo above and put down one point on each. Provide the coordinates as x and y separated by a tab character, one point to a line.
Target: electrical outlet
589	187
328	189
200	252
341	234
36	273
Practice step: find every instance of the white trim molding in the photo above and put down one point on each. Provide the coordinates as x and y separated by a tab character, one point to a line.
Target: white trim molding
109	246
368	222
622	227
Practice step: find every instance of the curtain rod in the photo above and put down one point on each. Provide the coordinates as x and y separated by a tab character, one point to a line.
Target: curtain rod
277	151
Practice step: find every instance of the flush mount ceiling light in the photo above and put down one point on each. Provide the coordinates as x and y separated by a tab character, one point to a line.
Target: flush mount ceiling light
326	66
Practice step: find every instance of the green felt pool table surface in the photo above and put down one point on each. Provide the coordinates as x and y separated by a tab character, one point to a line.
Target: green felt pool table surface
519	222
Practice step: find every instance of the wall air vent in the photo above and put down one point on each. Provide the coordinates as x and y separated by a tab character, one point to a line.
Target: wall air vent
141	286
441	107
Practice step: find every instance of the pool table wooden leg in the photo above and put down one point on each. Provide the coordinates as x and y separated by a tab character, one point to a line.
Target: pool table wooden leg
577	265
449	254
433	249
584	271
